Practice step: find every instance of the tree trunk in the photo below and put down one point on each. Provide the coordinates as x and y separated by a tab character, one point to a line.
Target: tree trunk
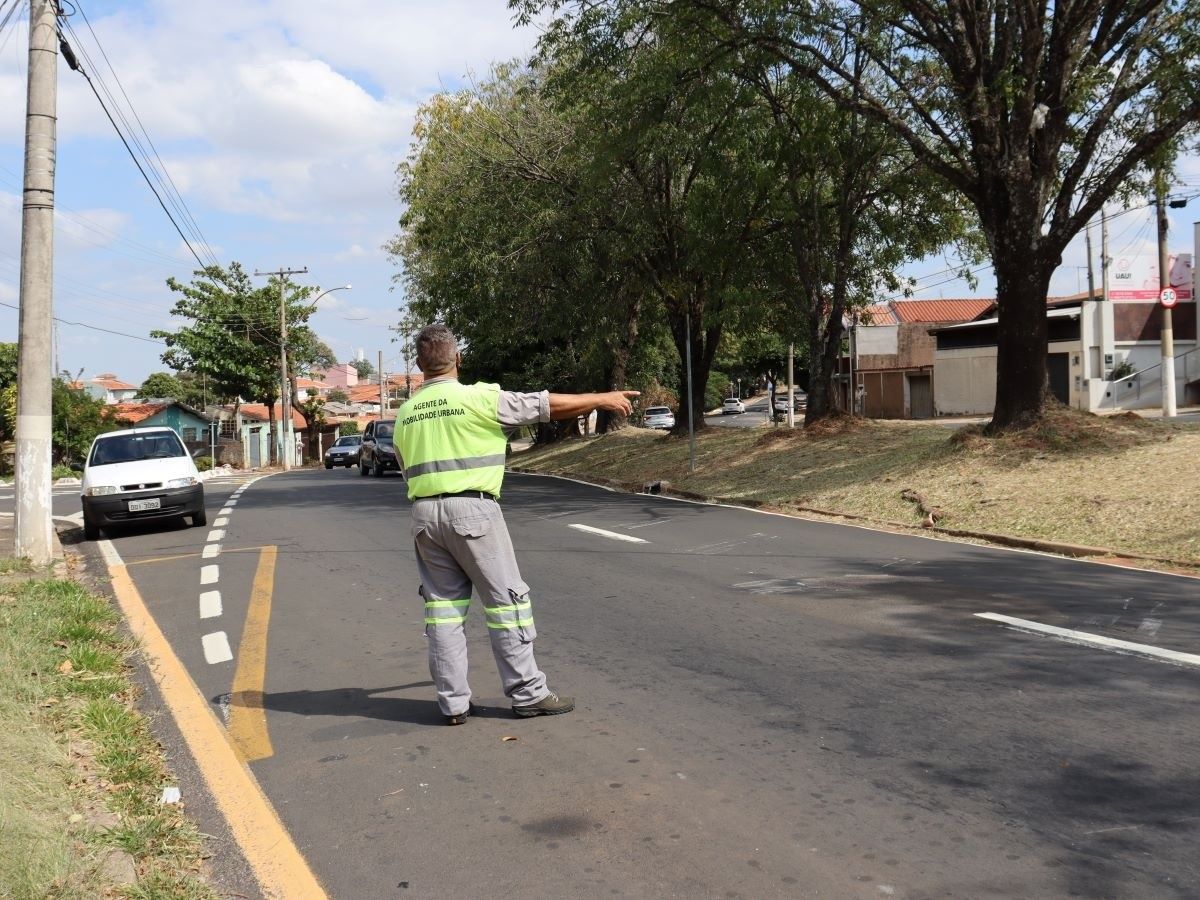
272	427
1021	288
704	343
615	377
825	343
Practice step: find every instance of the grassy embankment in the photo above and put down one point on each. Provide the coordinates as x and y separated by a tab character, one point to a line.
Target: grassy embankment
1124	483
82	775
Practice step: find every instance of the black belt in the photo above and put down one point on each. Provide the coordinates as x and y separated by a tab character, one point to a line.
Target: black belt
478	495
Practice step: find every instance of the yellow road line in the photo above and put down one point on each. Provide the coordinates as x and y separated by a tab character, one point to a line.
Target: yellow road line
158	559
281	870
247	717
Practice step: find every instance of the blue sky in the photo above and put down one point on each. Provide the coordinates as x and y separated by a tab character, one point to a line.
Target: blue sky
281	123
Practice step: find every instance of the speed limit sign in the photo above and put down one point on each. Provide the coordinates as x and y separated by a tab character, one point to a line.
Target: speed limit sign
1168	297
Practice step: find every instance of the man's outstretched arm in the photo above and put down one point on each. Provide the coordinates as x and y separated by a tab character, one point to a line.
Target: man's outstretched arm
568	406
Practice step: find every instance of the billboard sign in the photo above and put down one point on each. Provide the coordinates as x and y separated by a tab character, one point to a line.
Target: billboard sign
1134	278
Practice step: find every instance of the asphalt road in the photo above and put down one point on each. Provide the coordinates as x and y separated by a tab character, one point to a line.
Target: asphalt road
768	707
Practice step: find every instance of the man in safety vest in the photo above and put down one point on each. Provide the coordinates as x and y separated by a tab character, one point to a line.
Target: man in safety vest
451	440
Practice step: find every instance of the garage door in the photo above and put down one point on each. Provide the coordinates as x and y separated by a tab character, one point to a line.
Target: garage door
920	397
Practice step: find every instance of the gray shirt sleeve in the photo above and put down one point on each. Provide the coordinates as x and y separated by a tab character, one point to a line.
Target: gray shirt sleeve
523	409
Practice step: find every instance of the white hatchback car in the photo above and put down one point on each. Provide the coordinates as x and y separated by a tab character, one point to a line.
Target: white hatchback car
732	406
136	474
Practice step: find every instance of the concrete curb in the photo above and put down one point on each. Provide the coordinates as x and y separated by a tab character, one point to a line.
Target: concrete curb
1075	551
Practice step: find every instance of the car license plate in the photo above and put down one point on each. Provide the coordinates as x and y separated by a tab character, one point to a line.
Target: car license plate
143	505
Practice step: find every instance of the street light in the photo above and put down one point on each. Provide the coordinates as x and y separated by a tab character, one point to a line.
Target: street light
285	394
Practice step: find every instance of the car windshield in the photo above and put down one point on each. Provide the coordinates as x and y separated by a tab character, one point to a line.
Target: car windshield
658	411
125	448
383	430
347	441
732	401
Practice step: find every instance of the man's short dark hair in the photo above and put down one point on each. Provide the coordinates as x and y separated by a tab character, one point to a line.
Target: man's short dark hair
436	348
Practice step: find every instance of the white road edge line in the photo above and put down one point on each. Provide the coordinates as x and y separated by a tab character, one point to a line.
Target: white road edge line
216	648
1094	640
609	534
216	535
210	550
221	522
209	574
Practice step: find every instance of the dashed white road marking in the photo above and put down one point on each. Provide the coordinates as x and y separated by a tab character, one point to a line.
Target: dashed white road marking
1094	640
221	522
609	534
210	604
211	550
209	574
216	535
216	647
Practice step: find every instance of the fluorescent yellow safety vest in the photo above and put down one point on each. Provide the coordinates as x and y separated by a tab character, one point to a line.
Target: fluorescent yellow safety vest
450	440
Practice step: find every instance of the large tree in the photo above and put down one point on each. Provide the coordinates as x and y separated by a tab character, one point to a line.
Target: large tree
161	385
1036	112
509	239
232	339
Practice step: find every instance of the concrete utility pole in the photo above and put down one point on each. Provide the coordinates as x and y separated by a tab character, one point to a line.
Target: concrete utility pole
382	389
1164	281
34	529
286	444
404	330
1087	237
791	400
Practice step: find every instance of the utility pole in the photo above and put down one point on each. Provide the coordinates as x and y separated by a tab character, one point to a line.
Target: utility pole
34	529
691	412
1087	237
791	401
1164	281
404	330
286	444
382	389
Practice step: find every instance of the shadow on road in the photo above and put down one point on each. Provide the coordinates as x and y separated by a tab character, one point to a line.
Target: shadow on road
363	703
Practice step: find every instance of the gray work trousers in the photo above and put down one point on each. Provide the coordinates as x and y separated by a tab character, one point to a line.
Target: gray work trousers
463	542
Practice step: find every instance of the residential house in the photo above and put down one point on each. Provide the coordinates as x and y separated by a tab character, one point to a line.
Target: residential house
893	354
343	375
109	388
1090	340
194	426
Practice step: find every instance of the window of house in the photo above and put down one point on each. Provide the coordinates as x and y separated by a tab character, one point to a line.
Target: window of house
189	434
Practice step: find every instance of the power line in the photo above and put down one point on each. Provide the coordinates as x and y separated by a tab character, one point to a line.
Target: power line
74	64
92	327
161	164
114	107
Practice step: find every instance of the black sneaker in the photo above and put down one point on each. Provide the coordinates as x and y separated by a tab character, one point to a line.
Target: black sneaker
550	705
461	718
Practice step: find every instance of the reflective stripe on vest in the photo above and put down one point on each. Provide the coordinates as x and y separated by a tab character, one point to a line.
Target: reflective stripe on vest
450	440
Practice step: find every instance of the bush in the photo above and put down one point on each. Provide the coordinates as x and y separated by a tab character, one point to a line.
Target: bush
61	471
203	463
348	428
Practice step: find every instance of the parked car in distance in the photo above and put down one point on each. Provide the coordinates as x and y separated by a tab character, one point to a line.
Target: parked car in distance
799	402
377	455
344	451
659	417
732	406
137	474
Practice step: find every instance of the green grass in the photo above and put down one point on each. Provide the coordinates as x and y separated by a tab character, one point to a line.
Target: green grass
75	751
